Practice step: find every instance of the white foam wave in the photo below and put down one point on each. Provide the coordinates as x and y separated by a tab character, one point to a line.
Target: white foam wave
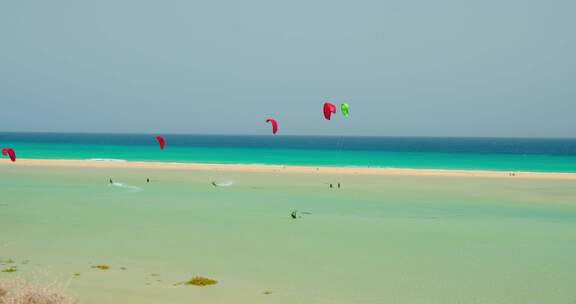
127	187
224	183
106	160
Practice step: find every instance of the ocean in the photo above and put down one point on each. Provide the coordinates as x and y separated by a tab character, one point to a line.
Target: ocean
501	154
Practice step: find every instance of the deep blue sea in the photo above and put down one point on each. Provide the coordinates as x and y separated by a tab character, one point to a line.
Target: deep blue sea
505	154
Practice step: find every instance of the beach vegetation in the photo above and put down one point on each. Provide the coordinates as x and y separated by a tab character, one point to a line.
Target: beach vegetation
102	267
201	281
10	269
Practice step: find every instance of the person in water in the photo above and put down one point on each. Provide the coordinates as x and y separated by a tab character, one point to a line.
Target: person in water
338	185
330	186
147	180
111	182
294	214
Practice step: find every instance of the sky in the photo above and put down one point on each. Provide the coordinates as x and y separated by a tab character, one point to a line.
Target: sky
407	68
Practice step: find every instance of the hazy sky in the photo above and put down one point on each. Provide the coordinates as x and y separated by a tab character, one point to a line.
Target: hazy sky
423	68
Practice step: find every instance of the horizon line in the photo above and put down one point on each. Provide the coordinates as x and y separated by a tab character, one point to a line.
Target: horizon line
286	135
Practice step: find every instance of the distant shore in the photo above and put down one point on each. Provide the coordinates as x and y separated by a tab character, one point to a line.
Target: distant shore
288	169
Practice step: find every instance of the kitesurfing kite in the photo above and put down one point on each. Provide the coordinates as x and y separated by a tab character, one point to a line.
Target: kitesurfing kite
274	125
345	109
9	152
161	142
329	109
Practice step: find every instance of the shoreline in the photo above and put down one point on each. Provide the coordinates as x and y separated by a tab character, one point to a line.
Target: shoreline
261	168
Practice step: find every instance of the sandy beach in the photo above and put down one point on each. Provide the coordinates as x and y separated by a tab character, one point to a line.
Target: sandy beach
288	169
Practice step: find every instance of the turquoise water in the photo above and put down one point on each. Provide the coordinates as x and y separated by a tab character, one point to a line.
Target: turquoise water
378	239
441	153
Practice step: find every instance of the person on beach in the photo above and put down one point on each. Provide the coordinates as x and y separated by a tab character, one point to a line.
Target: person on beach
330	186
338	185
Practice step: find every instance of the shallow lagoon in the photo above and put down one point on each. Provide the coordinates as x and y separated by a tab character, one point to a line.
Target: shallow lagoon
379	239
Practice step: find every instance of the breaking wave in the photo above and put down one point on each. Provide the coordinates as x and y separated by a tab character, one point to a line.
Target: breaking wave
126	187
106	160
224	183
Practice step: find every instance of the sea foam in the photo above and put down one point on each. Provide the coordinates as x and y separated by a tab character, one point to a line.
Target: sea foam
126	187
106	160
224	183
